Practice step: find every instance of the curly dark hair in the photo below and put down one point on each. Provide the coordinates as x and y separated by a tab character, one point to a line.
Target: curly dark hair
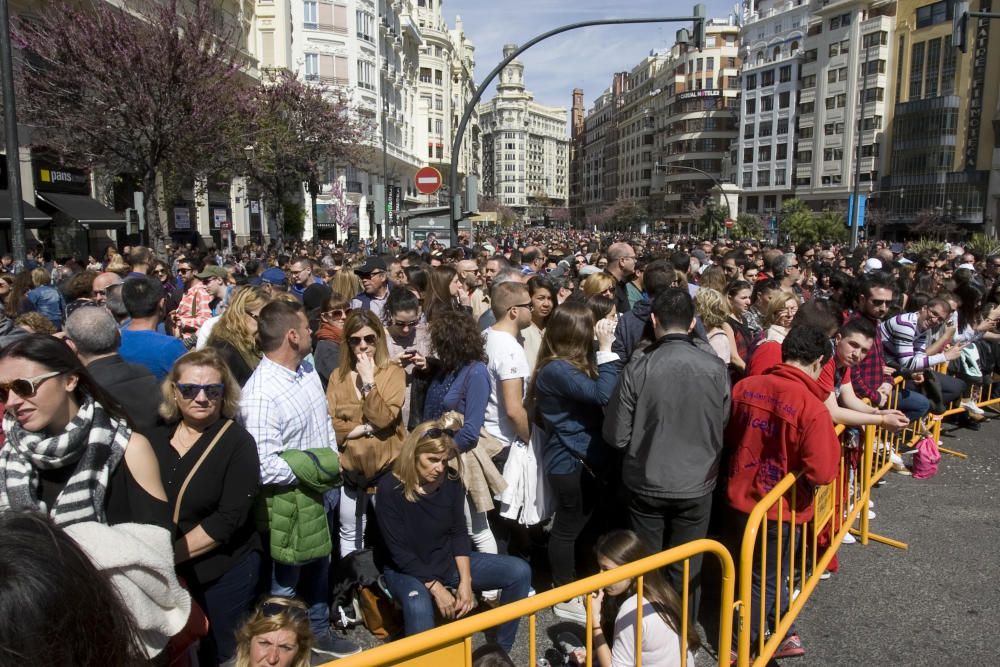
456	340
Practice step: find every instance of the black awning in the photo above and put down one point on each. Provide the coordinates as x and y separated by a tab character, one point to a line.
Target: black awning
85	210
32	216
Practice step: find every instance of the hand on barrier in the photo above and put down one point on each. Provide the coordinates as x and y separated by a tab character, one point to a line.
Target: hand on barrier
894	420
884	391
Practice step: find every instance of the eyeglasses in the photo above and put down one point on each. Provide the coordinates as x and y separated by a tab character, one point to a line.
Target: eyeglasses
437	433
269	609
159	272
337	313
370	339
25	387
403	325
528	305
184	270
189	392
368	276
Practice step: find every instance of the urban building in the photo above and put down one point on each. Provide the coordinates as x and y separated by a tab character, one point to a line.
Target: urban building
946	125
599	156
525	147
844	89
772	42
577	144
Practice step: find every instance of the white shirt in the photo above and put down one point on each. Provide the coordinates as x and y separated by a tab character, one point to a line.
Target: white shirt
284	409
205	330
507	361
660	644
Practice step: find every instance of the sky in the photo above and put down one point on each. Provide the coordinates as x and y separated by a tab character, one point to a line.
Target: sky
585	58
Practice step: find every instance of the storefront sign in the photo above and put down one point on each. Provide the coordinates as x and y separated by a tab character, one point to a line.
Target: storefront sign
700	93
977	87
219	217
55	178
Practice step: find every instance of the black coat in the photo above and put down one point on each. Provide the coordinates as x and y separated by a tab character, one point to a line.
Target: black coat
132	386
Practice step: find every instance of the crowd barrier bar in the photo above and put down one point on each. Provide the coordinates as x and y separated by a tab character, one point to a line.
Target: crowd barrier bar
451	644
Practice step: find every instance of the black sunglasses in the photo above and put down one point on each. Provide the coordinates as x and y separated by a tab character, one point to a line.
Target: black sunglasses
25	387
189	392
370	339
403	325
438	432
270	609
880	302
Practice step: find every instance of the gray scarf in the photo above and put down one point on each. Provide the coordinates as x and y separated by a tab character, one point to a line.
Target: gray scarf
93	443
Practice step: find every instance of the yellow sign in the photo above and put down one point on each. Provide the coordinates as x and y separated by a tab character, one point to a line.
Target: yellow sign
45	175
823	506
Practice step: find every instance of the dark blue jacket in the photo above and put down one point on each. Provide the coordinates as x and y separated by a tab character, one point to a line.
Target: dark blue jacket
631	326
570	405
48	301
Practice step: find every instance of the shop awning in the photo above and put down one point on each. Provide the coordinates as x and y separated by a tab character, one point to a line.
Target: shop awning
32	216
87	211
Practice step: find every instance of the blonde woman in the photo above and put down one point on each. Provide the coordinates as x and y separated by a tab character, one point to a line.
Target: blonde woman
778	313
599	283
365	398
429	561
277	635
713	309
235	336
346	282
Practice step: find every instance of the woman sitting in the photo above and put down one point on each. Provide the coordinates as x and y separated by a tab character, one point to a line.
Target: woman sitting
277	635
614	611
235	336
70	453
365	398
426	552
211	473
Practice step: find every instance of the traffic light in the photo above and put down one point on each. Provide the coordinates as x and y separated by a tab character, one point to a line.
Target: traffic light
960	26
699	27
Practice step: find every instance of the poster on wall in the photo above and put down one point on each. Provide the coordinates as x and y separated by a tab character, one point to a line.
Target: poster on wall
219	217
182	218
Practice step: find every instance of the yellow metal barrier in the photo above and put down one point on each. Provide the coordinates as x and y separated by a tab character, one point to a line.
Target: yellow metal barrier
451	644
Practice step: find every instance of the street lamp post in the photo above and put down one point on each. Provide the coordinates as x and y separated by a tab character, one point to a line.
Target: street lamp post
13	147
729	211
856	208
698	20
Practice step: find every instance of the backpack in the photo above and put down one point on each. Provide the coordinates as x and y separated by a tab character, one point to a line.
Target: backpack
926	459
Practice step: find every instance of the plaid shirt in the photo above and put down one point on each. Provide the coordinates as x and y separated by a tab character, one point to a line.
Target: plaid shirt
195	308
284	409
869	375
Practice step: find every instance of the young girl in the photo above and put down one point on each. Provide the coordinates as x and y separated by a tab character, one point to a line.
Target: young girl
614	610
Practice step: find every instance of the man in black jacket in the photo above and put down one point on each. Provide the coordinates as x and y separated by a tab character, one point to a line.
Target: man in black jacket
668	414
93	333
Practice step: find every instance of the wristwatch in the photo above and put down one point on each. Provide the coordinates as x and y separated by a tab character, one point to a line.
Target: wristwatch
367	387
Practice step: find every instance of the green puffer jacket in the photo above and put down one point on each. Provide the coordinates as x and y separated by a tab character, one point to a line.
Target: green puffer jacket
295	515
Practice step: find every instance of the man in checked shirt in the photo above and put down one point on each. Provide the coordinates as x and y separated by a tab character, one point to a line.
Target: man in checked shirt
284	407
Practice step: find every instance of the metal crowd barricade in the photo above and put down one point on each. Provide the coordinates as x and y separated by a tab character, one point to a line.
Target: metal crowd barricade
451	644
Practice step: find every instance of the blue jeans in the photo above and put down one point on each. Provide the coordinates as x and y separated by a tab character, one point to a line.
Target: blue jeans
489	571
913	404
308	581
226	602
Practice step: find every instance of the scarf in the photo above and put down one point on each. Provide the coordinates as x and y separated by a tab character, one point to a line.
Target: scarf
332	332
93	443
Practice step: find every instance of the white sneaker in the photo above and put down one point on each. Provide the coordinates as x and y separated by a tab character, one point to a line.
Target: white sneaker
849	539
896	459
571	610
871	504
972	408
871	514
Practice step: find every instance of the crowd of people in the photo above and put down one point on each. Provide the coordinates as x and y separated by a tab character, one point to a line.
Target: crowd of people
470	420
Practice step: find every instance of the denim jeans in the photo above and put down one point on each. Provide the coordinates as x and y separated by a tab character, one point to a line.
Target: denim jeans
576	497
664	523
226	602
489	571
308	581
913	404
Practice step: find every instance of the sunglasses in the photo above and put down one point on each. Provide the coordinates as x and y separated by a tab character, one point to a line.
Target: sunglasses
184	270
370	339
403	325
189	392
337	313
25	387
880	302
367	276
270	609
438	432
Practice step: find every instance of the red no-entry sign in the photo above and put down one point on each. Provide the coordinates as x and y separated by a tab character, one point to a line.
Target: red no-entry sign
428	180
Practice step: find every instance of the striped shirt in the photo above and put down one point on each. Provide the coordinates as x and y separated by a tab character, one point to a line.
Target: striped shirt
905	344
284	409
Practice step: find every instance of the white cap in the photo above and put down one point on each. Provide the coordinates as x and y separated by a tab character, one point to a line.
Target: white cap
966	265
903	260
873	264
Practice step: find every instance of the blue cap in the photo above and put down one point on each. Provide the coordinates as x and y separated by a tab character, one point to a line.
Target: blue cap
274	276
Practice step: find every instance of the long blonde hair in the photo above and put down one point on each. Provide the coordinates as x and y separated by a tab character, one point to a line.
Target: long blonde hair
712	307
436	436
294	616
346	282
232	327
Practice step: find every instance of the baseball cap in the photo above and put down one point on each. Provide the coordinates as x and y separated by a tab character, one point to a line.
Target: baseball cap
371	265
212	271
873	264
274	276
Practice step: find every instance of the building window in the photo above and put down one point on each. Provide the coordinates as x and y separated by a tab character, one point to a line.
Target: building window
807	107
748	131
751	81
767	78
809	56
805	132
310	14
763	177
805	156
779	176
312	66
767	103
809	82
764	154
784	99
939	12
765	128
748	179
781	152
366	25
933	63
832	154
916	71
785	73
782	126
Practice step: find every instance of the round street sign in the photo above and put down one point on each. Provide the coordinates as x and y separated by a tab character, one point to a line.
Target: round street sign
428	180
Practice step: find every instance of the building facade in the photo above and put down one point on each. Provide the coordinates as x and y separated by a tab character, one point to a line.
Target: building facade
525	146
944	132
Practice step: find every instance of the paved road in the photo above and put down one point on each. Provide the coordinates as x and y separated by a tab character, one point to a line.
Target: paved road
937	603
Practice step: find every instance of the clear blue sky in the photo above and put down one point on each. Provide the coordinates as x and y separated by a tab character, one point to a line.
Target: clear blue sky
584	58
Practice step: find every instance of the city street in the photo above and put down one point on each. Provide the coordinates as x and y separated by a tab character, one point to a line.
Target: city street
933	604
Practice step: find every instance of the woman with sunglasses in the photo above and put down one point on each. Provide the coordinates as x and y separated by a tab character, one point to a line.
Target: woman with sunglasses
365	397
161	271
211	472
330	334
70	452
409	346
425	547
277	635
235	336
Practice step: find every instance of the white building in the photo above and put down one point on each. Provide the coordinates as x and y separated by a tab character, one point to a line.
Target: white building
842	36
525	145
771	48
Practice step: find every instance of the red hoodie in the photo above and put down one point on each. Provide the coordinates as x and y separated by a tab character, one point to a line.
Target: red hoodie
779	424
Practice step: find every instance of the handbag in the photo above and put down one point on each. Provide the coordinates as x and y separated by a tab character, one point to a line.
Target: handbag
178	648
381	615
